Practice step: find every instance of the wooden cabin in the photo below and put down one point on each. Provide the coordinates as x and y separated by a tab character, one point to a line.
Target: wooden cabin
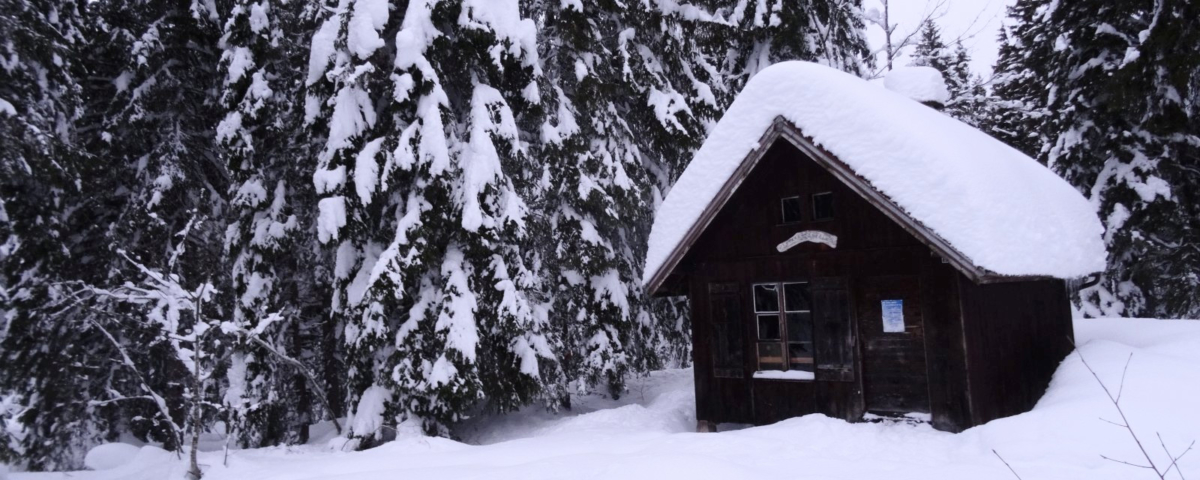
815	290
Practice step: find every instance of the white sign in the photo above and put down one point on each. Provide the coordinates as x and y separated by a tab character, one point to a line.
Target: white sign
893	316
815	236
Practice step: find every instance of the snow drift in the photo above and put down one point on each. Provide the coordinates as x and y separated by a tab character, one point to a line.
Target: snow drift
647	433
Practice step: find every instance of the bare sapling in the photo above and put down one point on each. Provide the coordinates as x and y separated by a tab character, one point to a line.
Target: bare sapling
1158	470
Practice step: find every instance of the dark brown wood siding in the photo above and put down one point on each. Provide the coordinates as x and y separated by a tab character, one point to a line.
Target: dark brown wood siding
739	247
751	223
1016	335
978	352
945	348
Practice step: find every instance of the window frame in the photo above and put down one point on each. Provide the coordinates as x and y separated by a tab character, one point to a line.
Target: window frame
832	207
783	210
783	342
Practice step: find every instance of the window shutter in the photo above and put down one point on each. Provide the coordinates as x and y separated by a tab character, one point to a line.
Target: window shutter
834	335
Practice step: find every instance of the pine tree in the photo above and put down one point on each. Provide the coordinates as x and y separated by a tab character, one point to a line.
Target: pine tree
597	196
270	237
157	200
425	198
1016	110
1102	94
763	33
44	388
968	99
931	51
1124	98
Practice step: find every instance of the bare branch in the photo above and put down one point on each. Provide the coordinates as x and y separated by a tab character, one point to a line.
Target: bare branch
1121	389
1116	401
1174	460
967	34
1130	464
1114	423
1014	472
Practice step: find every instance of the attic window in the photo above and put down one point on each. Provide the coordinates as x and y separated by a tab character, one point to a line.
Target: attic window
822	204
791	209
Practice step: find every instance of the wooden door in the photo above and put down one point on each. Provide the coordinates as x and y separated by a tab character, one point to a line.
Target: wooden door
723	394
834	336
893	344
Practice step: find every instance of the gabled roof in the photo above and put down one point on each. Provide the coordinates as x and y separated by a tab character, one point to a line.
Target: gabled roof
993	212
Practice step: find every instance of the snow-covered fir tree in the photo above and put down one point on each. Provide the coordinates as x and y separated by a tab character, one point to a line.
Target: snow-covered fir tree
968	98
156	201
600	61
770	31
930	50
1017	108
271	234
1118	120
424	177
43	389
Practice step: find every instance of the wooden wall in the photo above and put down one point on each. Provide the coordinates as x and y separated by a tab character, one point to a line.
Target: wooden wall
945	348
739	247
1016	336
750	225
974	352
745	399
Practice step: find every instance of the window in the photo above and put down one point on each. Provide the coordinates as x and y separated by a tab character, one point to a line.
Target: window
784	316
791	210
822	204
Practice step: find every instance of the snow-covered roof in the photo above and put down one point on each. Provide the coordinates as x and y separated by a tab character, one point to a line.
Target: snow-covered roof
994	207
923	84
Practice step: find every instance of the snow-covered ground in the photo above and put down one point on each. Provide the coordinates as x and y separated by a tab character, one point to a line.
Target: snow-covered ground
648	433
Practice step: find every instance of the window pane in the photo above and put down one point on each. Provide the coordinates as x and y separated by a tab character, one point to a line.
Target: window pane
768	327
791	210
799	326
800	356
770	356
795	297
765	298
822	206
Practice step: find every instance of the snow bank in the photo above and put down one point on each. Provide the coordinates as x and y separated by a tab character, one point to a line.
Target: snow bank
648	433
999	208
108	456
923	84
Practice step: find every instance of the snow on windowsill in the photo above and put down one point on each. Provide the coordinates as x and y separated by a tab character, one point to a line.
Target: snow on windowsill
911	416
782	375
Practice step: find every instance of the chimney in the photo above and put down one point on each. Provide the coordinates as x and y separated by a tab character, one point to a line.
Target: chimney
923	84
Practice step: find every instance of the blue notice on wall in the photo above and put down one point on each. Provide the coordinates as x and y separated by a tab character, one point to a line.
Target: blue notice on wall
893	316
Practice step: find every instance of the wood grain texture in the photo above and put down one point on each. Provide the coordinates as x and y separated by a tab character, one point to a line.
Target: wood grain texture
971	353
